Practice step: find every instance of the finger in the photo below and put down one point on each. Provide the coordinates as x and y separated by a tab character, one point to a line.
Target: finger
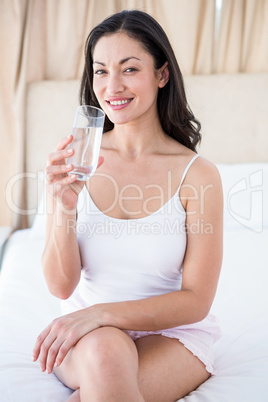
100	162
67	180
57	187
54	170
45	348
63	143
40	339
61	346
71	339
62	353
52	354
58	156
47	339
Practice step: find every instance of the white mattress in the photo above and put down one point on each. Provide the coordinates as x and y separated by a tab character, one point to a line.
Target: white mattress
241	355
26	307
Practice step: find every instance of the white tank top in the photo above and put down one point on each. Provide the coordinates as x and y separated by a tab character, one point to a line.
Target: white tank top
128	259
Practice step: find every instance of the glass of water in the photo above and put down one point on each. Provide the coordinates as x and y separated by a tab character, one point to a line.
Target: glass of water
87	135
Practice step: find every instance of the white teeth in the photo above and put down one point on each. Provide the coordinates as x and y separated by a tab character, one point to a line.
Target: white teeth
120	102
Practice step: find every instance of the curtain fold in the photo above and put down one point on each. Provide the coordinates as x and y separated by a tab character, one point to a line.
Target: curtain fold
16	18
44	39
190	28
255	38
242	44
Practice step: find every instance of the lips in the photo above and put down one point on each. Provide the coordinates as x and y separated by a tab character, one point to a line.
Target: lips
118	103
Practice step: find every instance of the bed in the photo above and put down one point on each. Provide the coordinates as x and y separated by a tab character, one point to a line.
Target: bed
233	110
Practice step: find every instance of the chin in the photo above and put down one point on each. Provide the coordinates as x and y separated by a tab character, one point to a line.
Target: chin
118	120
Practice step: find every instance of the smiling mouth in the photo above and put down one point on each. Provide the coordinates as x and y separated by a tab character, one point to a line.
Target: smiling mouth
119	102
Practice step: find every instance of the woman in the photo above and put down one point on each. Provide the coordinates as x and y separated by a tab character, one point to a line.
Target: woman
148	232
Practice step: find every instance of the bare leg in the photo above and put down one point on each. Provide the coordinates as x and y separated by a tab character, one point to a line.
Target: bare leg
167	370
104	356
158	369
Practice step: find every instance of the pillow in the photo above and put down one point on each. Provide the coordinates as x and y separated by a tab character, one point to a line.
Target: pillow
245	188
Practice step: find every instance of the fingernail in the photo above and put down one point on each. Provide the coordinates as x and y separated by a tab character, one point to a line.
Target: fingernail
69	151
68	166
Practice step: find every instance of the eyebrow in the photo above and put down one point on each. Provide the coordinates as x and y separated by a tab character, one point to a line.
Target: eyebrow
120	62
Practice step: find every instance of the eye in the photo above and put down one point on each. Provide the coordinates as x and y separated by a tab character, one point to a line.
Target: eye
99	72
130	69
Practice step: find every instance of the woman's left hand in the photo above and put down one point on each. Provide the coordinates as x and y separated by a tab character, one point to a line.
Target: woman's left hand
53	344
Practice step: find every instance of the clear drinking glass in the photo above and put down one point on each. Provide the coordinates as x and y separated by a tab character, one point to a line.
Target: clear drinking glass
87	135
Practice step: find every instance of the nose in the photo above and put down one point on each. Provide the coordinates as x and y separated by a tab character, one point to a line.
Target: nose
114	84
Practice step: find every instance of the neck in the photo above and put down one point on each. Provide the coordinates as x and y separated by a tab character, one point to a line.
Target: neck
134	140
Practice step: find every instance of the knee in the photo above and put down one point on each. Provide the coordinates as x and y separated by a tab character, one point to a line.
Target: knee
106	347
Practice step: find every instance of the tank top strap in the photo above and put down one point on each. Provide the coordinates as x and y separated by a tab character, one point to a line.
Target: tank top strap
186	170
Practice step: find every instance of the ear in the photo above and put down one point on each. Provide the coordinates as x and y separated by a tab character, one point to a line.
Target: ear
163	75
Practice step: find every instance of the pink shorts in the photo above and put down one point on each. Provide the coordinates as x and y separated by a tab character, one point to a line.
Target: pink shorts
199	342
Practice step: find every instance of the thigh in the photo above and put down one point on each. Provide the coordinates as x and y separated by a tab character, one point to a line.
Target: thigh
167	370
97	346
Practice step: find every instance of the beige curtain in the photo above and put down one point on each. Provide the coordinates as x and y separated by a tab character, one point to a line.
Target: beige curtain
190	28
44	39
242	43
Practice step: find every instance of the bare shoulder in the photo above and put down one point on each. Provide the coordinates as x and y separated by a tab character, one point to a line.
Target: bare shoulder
203	171
202	181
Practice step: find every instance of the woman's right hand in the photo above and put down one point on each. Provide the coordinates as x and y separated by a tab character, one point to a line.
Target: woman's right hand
63	187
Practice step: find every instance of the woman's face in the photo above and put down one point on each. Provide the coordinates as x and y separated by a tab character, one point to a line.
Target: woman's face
124	79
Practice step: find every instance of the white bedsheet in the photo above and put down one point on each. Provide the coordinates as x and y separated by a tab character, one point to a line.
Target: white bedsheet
26	307
241	355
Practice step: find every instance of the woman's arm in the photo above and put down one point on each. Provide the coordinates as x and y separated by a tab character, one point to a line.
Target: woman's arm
61	260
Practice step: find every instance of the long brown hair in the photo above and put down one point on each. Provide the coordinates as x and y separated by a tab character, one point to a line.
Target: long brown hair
175	115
